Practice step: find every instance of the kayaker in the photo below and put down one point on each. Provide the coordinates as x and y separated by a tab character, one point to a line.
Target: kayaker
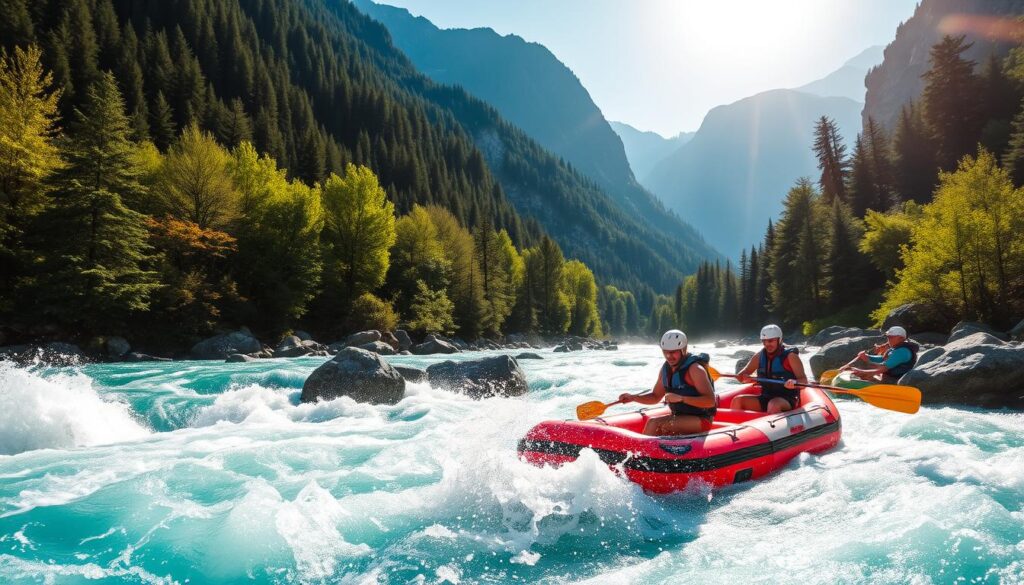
685	385
778	362
888	361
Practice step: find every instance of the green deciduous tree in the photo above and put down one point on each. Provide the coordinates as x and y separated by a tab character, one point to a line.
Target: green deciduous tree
580	292
358	233
966	252
195	182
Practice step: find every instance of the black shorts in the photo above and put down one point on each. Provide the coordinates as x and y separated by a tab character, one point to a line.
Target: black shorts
763	401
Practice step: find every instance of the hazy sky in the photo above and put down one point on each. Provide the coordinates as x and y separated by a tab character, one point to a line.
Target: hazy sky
662	64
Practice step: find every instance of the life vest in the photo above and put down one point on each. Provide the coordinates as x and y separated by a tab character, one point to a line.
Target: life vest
777	369
675	382
903	368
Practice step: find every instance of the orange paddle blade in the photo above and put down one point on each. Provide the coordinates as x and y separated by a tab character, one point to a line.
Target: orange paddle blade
905	399
828	376
589	410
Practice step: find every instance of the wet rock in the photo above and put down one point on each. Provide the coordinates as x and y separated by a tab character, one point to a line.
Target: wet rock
411	374
134	356
975	370
721	343
240	358
528	356
378	347
492	376
221	346
358	374
55	353
304	336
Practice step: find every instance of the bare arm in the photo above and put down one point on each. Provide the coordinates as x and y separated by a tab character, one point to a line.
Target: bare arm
798	368
751	367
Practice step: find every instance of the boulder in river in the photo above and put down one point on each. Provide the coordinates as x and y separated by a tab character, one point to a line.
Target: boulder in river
492	376
840	351
742	359
220	347
527	355
917	317
404	341
978	369
359	374
378	347
294	346
433	345
411	374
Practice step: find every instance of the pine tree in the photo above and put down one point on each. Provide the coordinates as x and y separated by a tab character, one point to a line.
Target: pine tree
1013	158
876	143
950	100
236	127
161	123
93	272
1000	98
797	257
831	154
553	310
915	168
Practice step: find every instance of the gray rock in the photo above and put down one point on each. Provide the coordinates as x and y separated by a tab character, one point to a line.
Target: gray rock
1017	333
117	346
404	341
432	346
362	338
917	317
834	332
134	356
292	346
837	353
240	358
390	339
404	352
976	370
742	359
412	374
358	374
303	335
378	347
493	376
611	347
966	328
929	338
721	343
528	356
55	353
221	346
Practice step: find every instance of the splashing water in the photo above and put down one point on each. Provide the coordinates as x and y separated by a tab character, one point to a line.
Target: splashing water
203	472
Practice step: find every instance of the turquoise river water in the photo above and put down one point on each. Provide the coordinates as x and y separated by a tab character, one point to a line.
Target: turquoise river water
206	472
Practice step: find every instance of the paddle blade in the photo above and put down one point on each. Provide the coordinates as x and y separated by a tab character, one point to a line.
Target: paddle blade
715	374
890	397
589	410
828	376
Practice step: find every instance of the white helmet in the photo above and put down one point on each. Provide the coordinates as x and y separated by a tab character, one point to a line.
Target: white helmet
897	330
771	332
673	339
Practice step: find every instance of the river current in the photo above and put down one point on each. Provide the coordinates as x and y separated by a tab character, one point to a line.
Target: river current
207	472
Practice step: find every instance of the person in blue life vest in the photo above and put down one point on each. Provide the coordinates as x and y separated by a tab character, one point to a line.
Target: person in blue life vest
778	362
685	385
888	361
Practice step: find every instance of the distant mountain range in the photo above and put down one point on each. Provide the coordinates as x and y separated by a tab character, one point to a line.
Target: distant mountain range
644	149
848	80
732	176
897	80
531	89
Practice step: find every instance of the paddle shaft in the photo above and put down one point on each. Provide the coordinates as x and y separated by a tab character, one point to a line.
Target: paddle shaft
798	384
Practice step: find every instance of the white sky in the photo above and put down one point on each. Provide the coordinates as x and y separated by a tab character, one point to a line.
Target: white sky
662	64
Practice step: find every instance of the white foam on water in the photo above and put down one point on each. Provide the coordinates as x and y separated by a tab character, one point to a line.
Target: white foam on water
58	412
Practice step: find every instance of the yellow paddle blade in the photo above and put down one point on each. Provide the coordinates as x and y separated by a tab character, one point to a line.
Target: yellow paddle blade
828	376
888	396
589	410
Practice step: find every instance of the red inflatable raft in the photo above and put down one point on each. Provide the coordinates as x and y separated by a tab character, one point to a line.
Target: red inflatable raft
741	445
